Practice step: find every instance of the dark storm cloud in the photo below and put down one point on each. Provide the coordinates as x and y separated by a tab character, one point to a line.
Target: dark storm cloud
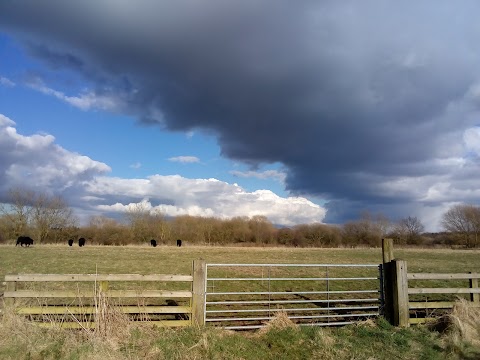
355	98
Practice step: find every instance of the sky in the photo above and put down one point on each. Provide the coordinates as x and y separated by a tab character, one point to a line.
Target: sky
301	111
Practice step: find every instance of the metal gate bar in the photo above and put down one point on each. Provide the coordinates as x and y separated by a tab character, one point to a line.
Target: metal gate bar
221	300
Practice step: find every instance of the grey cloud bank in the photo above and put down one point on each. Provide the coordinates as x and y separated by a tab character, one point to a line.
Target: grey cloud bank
369	105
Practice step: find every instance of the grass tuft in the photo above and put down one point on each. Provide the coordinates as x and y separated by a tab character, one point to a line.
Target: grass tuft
461	330
280	321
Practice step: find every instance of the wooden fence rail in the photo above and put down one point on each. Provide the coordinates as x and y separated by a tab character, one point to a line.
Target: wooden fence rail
427	307
73	300
407	304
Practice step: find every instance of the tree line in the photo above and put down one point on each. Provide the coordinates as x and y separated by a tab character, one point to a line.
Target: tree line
48	219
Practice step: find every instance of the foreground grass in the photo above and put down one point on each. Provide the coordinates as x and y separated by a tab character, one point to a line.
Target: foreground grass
370	340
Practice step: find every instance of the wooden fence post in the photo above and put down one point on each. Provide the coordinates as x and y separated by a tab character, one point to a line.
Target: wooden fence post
473	285
387	250
387	257
401	314
198	292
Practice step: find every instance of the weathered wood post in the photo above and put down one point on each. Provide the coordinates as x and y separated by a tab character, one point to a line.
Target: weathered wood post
387	250
387	257
401	315
473	285
198	292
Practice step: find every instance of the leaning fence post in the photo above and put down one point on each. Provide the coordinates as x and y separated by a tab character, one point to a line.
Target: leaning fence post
198	292
401	315
474	285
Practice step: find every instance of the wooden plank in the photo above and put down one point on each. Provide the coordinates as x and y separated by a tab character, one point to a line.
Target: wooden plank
412	291
50	294
90	293
67	325
60	310
169	323
91	325
431	305
149	293
96	277
416	321
425	276
436	305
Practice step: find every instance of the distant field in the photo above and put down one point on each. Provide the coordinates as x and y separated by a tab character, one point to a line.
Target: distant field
172	260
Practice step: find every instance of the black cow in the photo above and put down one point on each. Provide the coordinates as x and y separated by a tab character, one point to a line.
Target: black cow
178	316
153	243
81	242
179	242
70	242
24	240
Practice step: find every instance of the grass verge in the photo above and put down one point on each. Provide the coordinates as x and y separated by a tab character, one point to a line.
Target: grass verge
280	339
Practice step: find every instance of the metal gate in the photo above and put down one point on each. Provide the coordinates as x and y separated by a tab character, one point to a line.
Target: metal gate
247	296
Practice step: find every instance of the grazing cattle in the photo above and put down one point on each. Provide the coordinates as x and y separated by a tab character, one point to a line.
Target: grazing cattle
81	242
24	240
153	243
70	242
179	242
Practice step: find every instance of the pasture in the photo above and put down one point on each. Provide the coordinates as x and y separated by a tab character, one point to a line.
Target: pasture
62	259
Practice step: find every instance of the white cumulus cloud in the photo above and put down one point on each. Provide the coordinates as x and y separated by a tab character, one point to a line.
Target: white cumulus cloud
36	161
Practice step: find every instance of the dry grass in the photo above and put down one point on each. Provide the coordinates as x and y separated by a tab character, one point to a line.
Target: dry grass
111	325
279	322
461	330
462	325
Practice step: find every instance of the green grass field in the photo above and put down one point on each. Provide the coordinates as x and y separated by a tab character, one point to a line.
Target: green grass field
56	259
173	260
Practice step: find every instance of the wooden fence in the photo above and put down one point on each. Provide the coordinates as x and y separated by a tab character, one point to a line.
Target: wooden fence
77	300
415	298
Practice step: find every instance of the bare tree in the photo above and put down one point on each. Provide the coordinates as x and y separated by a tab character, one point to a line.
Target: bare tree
107	231
44	217
261	229
138	217
409	230
162	226
465	221
51	217
370	229
17	212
